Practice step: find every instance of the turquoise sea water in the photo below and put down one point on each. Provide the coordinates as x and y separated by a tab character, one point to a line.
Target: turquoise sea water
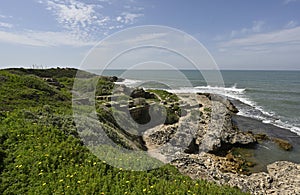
270	96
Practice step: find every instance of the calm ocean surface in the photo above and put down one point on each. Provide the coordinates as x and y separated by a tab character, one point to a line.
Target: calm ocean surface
270	96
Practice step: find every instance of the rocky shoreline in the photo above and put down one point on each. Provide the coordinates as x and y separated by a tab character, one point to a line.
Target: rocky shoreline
210	153
203	137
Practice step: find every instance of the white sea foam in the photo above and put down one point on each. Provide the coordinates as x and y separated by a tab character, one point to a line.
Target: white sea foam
129	82
226	89
250	109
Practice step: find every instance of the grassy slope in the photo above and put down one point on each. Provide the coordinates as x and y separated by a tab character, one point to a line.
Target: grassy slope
41	154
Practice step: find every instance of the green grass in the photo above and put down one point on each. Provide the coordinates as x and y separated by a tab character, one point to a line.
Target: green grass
164	95
40	152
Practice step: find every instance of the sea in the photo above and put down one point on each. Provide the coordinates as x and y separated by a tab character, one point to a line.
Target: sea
272	97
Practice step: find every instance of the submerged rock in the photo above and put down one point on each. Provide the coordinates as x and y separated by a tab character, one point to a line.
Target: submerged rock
285	145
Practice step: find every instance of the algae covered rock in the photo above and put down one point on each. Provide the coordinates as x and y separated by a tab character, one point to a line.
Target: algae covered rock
283	144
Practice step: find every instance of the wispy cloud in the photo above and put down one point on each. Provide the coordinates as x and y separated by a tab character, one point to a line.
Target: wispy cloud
128	18
86	20
265	42
4	16
256	28
291	24
73	13
283	36
43	39
6	25
289	1
81	23
75	16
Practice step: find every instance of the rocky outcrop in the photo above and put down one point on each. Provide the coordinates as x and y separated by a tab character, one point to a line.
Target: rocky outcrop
207	166
163	134
209	132
281	177
193	144
199	155
217	127
285	176
141	93
229	105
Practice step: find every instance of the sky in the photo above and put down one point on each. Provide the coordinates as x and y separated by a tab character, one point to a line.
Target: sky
244	35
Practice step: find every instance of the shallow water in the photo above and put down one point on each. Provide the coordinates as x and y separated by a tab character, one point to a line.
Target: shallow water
268	152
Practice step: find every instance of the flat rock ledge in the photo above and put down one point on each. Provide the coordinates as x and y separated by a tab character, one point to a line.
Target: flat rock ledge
281	178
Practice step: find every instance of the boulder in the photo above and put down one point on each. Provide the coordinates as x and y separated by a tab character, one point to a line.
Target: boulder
242	138
121	89
114	79
141	93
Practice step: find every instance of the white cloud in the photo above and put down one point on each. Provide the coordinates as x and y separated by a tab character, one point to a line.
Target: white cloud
81	23
5	16
128	18
289	1
291	24
87	20
265	50
131	17
6	25
72	13
256	28
286	36
43	39
119	18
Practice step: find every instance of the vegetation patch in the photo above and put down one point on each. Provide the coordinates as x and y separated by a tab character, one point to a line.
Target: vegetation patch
42	153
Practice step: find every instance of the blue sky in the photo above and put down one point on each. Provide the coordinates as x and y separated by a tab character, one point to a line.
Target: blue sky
256	34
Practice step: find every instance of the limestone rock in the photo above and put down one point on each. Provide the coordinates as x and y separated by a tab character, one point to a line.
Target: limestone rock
215	129
219	129
242	138
282	177
286	178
